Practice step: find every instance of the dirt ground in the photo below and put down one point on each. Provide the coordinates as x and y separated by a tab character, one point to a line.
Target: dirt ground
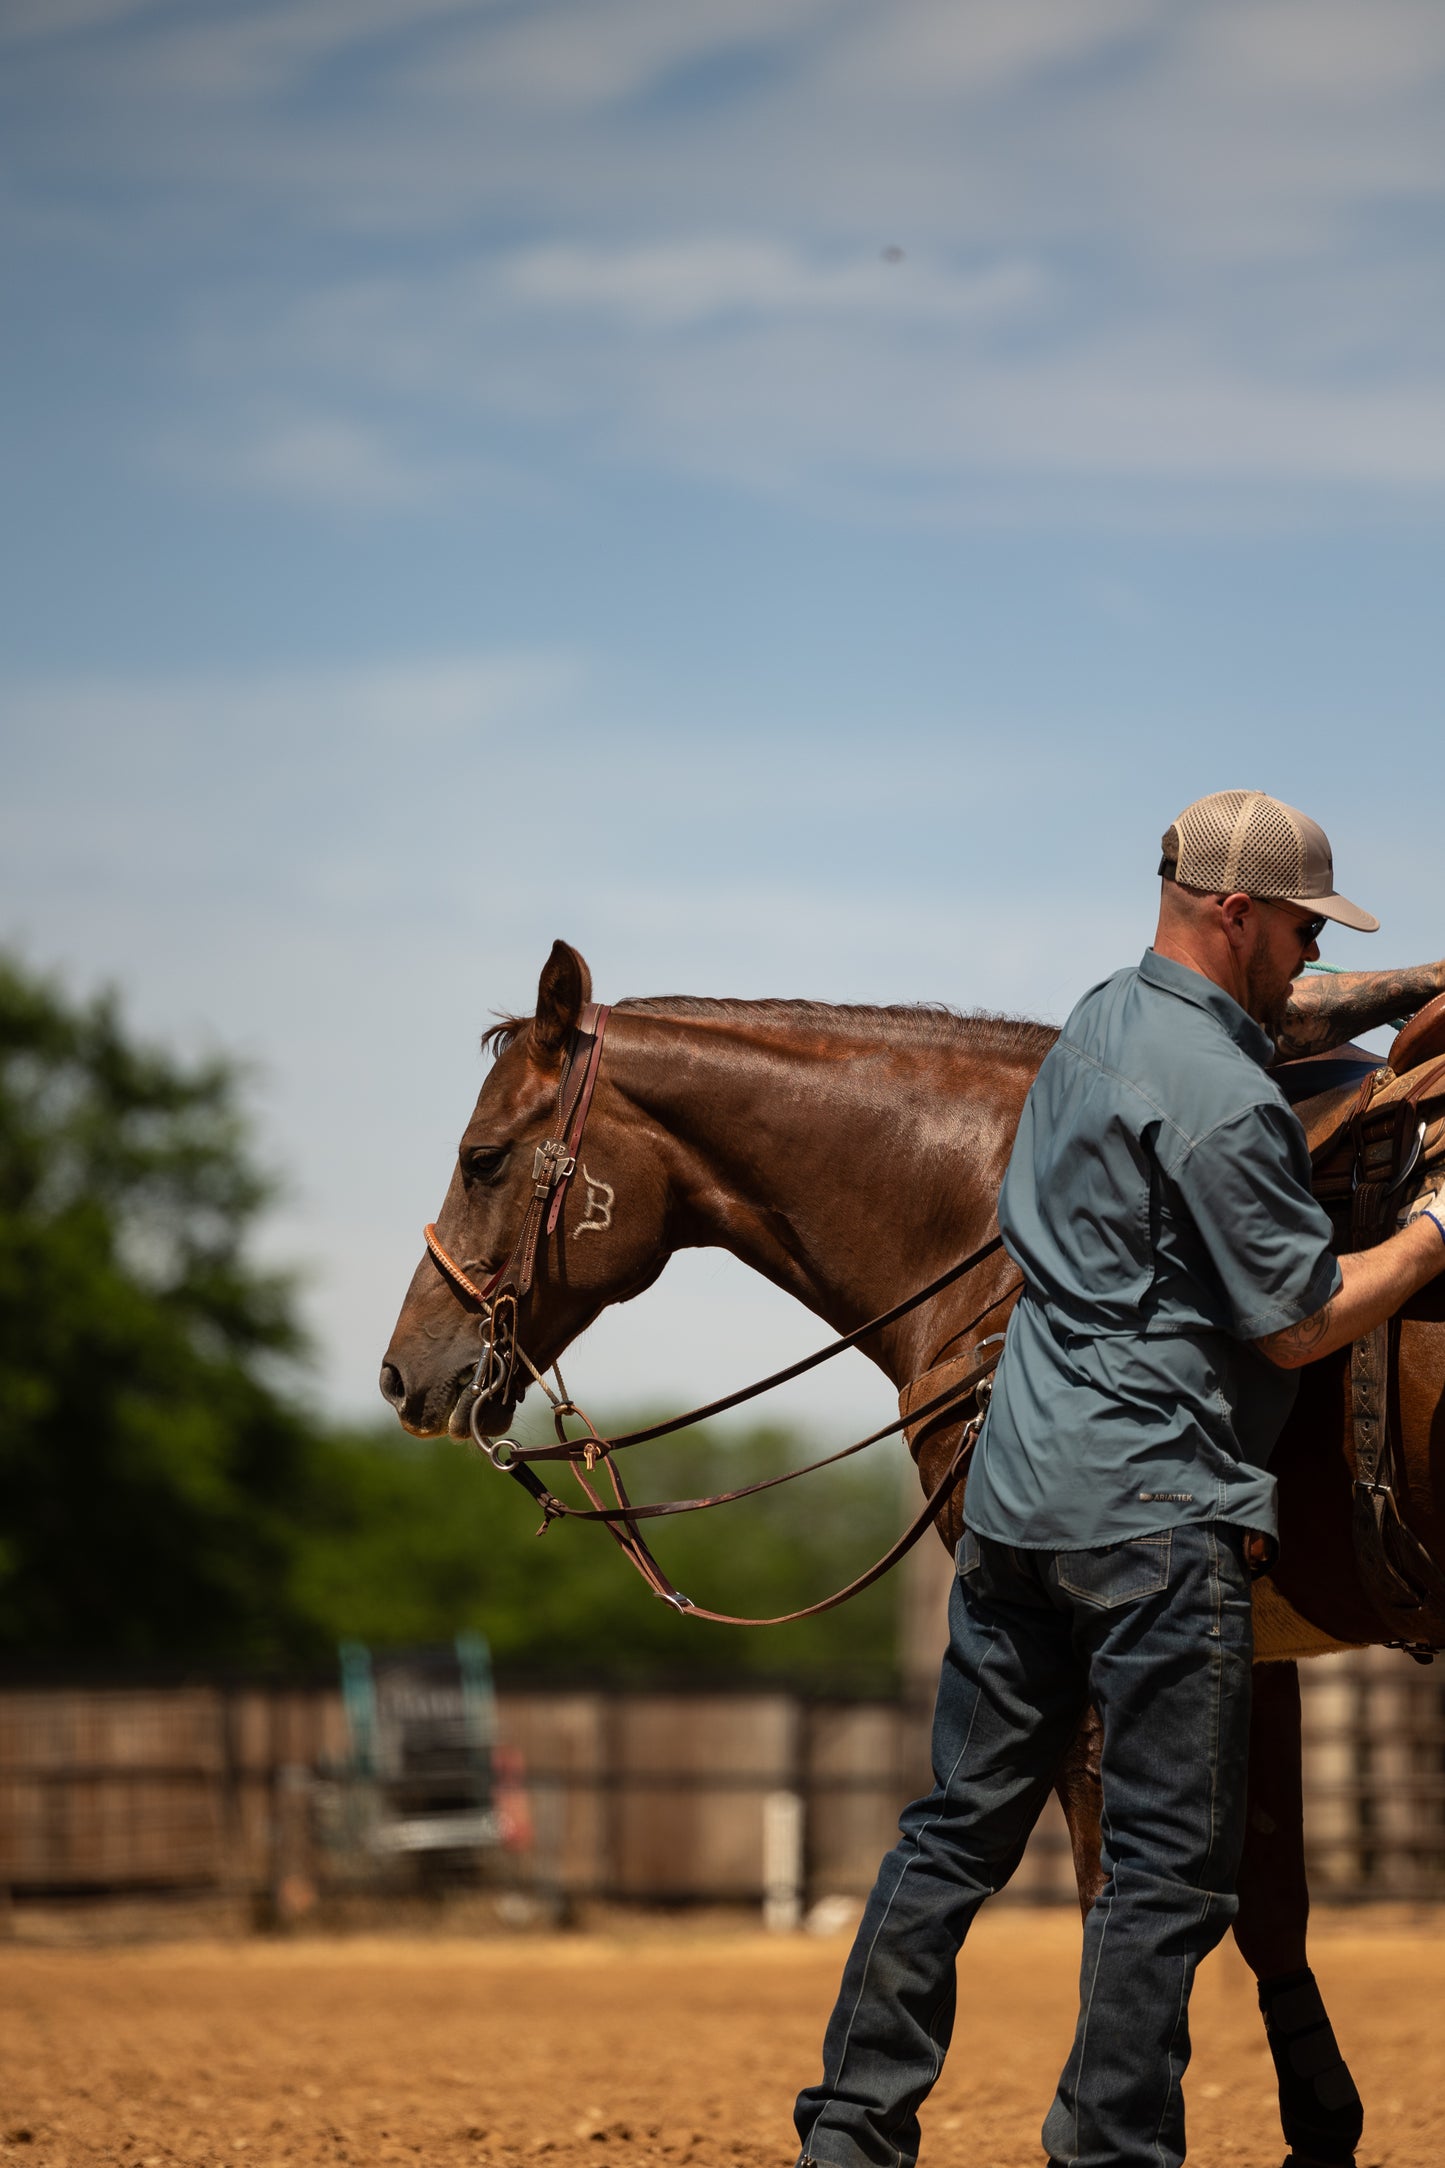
628	2048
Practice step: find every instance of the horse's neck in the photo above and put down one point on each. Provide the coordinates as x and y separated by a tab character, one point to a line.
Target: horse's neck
849	1173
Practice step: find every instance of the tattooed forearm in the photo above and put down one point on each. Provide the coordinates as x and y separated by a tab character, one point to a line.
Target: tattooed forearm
1329	1008
1373	1284
1301	1343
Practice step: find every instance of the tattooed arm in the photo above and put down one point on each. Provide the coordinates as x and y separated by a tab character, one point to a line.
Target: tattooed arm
1329	1008
1374	1283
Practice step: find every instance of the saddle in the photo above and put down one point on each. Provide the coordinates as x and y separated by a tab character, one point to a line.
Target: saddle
1376	1132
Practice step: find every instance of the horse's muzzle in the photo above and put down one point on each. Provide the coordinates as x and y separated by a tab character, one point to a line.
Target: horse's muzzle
428	1410
488	1417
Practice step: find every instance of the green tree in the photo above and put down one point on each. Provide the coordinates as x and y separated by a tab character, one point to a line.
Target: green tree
412	1539
147	1456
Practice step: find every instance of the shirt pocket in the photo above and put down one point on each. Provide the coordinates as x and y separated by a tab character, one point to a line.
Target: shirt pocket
1123	1573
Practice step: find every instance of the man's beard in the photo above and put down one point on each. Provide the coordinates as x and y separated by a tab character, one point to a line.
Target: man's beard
1266	1000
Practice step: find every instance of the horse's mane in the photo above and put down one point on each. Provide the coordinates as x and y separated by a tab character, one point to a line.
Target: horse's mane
927	1023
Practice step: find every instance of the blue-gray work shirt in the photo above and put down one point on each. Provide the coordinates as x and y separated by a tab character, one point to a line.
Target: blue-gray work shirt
1158	1204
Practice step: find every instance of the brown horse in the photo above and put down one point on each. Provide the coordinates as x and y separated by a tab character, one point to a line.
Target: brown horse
850	1155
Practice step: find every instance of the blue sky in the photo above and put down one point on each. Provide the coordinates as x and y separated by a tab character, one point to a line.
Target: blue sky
792	497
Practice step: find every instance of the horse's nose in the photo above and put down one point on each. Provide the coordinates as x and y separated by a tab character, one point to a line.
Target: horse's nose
393	1387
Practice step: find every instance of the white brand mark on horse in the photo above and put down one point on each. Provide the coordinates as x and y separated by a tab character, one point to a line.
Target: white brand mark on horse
599	1202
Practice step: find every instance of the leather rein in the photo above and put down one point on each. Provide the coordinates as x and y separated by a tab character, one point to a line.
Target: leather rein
497	1298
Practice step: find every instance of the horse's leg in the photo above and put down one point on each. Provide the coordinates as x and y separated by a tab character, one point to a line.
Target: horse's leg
1080	1796
1318	2104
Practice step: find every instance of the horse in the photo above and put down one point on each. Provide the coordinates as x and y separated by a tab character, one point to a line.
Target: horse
849	1155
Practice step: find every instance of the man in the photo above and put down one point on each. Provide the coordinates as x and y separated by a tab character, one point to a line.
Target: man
1176	1270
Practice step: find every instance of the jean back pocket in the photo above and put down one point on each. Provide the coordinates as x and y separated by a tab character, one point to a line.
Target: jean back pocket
1122	1573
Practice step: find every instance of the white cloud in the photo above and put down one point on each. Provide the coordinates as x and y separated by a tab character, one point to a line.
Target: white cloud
568	58
944	50
688	281
319	459
1141	243
1325	51
58	20
287	788
231	52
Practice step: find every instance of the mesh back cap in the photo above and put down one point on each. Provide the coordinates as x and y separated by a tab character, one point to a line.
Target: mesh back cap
1240	841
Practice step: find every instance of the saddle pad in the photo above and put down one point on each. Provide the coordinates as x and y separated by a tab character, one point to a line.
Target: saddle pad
1283	1635
1314	1074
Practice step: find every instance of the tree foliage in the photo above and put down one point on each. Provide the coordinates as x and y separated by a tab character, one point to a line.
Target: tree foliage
426	1537
146	1455
167	1493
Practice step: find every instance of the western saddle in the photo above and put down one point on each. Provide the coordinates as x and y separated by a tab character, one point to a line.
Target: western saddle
1376	1132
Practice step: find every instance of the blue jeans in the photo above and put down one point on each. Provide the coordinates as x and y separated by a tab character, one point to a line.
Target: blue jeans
1156	1632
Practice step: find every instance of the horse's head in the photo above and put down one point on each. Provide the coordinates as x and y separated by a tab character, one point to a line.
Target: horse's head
607	1242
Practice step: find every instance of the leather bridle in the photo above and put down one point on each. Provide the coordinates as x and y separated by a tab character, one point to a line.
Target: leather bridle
554	1163
497	1298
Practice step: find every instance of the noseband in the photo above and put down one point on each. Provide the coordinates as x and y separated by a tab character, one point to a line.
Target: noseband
554	1163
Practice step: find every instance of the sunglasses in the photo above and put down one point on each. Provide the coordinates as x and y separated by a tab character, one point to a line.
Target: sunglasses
1309	930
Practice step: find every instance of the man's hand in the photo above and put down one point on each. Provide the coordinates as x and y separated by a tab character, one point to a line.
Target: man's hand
1373	1285
1329	1008
1429	1200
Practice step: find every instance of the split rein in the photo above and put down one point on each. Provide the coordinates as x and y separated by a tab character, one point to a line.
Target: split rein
497	1299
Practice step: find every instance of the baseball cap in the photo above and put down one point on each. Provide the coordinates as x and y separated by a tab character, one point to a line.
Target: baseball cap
1240	841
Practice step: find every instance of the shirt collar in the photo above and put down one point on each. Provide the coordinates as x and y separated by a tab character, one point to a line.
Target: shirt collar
1188	985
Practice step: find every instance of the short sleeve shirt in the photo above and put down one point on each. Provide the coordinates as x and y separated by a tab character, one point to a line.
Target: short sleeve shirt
1159	1207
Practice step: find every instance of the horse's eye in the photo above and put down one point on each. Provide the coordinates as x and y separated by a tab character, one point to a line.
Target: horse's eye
482	1162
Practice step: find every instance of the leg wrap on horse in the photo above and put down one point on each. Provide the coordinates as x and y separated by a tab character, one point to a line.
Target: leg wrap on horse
1318	2104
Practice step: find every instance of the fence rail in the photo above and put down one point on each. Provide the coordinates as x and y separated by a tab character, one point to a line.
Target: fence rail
738	1796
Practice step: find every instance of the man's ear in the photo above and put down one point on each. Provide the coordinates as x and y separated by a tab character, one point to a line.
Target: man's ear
1236	912
564	985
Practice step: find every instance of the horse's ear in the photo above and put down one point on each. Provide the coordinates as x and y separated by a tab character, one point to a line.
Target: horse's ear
563	987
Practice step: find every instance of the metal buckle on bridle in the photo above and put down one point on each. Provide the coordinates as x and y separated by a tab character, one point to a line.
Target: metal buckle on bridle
551	1163
983	1391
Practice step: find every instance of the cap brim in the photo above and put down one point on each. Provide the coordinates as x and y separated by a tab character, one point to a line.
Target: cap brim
1338	908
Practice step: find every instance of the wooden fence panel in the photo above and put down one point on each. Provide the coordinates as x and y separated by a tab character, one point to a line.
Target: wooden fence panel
691	1773
863	1763
642	1796
110	1787
563	1742
1375	1775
